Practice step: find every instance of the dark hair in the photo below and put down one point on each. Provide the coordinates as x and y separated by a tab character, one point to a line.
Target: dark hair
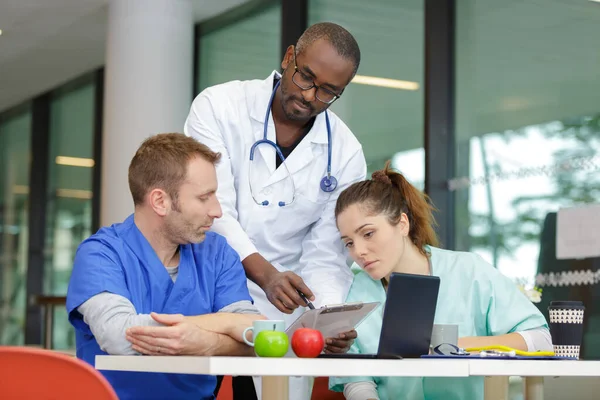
342	40
161	162
389	193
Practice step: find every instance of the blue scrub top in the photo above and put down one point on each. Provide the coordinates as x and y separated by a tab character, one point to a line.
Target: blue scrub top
473	294
118	259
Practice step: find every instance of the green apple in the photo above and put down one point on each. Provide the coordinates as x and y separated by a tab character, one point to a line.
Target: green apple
271	344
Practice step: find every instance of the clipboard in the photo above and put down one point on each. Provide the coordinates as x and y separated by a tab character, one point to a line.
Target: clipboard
333	319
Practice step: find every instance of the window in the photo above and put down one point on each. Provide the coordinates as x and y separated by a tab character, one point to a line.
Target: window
387	121
528	136
246	47
15	150
69	206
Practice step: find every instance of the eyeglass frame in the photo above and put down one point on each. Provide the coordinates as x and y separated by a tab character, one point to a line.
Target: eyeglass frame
317	87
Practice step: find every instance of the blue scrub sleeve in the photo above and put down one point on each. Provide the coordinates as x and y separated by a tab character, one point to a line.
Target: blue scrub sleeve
96	269
504	306
231	285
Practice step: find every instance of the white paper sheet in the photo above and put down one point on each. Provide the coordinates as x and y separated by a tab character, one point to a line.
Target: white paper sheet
578	232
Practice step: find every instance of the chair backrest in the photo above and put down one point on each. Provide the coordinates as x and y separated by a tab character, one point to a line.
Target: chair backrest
30	373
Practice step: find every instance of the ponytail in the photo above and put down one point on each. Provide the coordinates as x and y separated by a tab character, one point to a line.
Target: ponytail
420	210
389	193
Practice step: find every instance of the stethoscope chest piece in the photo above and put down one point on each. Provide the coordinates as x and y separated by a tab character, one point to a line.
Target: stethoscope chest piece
328	184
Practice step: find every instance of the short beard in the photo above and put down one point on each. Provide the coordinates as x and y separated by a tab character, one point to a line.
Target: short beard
290	115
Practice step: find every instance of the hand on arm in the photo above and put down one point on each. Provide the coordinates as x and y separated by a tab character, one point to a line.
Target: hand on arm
205	335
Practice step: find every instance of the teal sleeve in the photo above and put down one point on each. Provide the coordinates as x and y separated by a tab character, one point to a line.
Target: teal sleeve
505	308
337	383
363	289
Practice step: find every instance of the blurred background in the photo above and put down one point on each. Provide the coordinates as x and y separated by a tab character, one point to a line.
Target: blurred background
491	107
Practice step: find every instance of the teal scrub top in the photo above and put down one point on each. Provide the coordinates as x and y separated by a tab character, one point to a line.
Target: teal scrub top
472	294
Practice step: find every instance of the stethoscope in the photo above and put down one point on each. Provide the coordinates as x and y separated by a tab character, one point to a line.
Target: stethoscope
328	182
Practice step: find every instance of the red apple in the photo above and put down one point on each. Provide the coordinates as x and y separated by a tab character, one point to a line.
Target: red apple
307	343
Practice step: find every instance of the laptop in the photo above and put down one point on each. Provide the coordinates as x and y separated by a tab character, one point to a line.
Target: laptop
407	318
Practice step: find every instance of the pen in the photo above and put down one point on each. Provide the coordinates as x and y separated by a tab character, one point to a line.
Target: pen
308	303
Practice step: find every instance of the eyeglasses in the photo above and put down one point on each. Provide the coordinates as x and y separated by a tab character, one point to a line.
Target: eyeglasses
305	82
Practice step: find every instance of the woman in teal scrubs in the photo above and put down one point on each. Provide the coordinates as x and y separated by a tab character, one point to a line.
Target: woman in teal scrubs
387	226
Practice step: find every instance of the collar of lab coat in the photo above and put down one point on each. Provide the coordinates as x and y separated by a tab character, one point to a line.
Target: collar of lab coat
302	155
318	133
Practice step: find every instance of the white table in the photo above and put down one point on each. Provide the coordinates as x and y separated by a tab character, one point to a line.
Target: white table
275	371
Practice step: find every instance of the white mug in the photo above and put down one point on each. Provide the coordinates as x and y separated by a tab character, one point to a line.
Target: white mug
260	325
444	333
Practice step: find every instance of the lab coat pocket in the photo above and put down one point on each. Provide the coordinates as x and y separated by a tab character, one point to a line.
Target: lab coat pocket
309	208
297	218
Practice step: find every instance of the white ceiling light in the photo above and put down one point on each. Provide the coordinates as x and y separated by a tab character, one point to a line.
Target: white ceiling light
75	194
385	82
75	161
20	189
0	32
65	193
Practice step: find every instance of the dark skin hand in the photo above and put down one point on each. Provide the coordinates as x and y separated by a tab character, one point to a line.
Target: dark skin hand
341	344
281	288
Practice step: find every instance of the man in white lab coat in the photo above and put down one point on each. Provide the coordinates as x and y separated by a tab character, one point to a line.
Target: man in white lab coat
279	215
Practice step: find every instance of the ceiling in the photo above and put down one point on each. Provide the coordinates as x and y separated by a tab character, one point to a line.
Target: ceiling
519	62
41	38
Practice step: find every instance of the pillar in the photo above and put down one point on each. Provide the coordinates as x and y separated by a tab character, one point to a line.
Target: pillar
148	87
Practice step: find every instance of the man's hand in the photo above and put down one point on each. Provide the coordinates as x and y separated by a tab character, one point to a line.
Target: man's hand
282	291
281	288
179	336
341	344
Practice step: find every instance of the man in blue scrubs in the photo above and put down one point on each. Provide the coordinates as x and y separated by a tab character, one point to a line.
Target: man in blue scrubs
159	282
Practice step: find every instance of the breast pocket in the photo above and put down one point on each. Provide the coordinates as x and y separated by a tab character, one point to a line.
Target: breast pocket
296	219
309	207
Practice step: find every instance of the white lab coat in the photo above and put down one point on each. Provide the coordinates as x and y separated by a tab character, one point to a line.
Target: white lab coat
303	236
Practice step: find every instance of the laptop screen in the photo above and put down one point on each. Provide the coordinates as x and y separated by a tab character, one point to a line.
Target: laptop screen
408	315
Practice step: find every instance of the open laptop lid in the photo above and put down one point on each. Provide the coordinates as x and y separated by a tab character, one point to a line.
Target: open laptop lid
408	315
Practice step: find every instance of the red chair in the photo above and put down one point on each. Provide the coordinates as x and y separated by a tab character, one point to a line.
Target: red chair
30	373
321	390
